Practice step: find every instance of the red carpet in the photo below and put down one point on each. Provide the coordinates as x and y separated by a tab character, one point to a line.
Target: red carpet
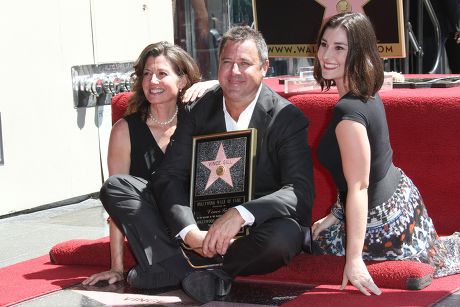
310	269
329	295
32	278
38	276
305	268
88	252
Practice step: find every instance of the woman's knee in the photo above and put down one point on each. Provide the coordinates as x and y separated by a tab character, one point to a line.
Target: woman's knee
118	188
106	191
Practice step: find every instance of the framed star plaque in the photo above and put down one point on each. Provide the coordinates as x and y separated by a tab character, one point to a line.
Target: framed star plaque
222	173
299	21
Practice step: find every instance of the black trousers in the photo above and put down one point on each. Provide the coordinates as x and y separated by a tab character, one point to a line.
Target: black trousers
131	205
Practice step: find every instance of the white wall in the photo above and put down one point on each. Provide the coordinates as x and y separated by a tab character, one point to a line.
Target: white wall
51	150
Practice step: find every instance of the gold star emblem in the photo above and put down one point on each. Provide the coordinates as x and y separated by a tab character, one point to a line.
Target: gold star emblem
333	7
218	167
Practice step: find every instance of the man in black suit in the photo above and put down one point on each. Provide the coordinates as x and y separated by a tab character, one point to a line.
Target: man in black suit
283	171
279	214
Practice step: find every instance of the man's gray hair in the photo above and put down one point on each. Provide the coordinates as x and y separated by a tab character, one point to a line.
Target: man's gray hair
244	33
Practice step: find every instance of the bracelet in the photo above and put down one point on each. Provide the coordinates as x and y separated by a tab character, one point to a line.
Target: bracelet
337	211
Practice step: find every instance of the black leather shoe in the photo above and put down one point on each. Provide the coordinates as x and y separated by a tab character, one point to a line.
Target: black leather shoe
208	285
137	278
306	244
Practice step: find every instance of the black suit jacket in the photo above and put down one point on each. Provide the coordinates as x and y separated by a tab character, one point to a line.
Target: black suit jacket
283	171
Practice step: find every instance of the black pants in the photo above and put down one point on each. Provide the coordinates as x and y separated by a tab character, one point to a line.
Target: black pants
130	203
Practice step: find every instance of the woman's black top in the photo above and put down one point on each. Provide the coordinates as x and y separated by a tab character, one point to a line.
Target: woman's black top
384	177
146	155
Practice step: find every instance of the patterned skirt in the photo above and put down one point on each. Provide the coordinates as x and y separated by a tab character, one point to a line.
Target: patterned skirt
398	229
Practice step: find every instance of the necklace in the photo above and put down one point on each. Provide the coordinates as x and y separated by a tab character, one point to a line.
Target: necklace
166	122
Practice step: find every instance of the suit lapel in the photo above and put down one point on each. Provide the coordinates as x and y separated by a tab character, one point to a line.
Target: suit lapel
215	122
262	115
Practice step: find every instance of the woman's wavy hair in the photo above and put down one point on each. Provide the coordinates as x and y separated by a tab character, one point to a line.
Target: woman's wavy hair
182	63
363	66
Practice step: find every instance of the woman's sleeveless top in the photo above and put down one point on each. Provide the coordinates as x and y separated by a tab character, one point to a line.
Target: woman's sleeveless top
146	155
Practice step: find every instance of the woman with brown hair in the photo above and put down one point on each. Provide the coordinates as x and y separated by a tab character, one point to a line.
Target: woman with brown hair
379	213
164	75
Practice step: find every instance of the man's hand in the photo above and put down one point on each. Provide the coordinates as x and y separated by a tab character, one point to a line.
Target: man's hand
222	233
194	239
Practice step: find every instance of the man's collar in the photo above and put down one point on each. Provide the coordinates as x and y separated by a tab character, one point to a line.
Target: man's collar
244	117
251	105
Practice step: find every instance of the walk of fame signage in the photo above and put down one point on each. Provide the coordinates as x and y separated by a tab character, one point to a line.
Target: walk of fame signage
290	27
221	173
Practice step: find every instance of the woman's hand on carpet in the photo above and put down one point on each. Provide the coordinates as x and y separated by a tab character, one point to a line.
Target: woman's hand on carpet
356	272
110	276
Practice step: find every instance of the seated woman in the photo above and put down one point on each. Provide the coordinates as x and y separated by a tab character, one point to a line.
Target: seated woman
163	72
379	213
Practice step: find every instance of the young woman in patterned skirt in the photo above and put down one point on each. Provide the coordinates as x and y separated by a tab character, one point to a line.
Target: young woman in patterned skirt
379	213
